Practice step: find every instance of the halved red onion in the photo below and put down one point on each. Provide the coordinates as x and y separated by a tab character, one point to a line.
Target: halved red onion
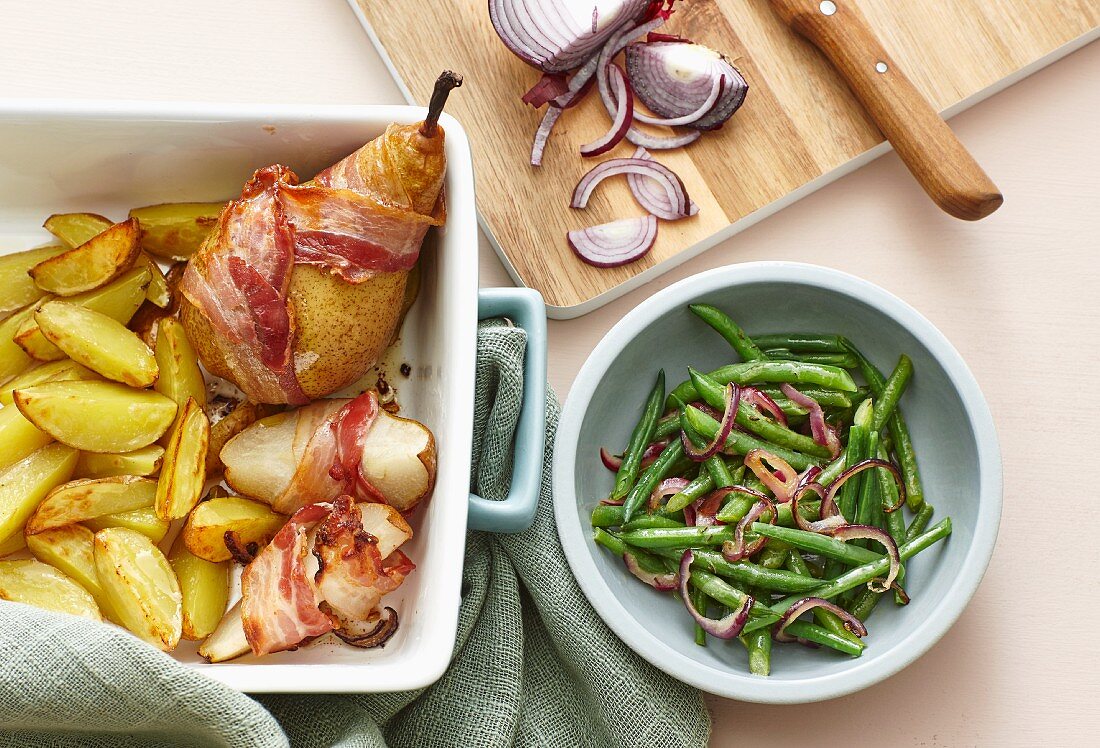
542	135
851	623
610	461
830	520
877	534
823	433
859	467
689	118
763	403
736	549
653	197
616	243
664	581
781	482
667	487
731	397
675	79
723	628
624	116
557	37
673	186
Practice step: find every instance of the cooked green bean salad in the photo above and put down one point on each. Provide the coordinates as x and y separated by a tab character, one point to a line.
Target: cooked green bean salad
770	488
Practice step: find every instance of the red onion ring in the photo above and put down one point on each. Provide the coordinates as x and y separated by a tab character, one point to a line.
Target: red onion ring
664	582
851	623
723	628
610	461
735	550
542	134
674	187
731	397
624	115
823	433
376	637
830	520
658	143
781	482
763	403
616	243
667	487
653	198
703	511
877	534
859	467
652	452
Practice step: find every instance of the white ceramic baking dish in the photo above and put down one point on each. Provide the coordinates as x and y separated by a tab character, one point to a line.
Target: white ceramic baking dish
58	156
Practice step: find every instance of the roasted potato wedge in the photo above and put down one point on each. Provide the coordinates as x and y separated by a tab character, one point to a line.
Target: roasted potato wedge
18	437
80	500
141	586
97	416
98	342
119	300
158	292
26	483
38	584
144	322
180	377
70	550
183	474
73	229
94	263
13	544
174	231
65	370
228	640
144	521
13	359
17	288
204	587
208	523
144	461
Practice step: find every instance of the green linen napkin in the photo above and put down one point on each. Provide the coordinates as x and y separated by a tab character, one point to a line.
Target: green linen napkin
533	665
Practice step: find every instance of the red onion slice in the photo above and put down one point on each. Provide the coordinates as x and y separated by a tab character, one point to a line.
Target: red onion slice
387	626
763	404
823	433
616	243
623	116
659	143
610	461
851	623
830	519
542	135
652	452
781	482
673	186
702	512
877	534
664	582
736	549
859	467
731	397
652	196
723	628
667	487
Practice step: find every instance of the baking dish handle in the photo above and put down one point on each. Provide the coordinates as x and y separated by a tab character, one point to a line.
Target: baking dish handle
525	307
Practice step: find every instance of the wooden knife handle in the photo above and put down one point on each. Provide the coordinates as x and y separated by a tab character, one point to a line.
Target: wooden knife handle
934	155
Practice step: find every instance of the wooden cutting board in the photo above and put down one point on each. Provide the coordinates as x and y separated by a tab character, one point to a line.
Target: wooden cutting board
799	128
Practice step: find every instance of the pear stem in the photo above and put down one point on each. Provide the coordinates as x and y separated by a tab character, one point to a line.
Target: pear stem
443	85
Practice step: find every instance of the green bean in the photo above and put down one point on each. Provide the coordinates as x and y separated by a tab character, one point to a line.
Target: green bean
895	520
737	474
649	521
864	603
843	360
652	475
825	618
768	372
749	418
640	438
920	521
611	542
759	645
868	489
607	515
728	329
743	572
774	555
856	452
815	542
668	426
697	489
678	537
700	601
716	466
738	505
833	470
903	442
739	442
801	341
892	389
825	398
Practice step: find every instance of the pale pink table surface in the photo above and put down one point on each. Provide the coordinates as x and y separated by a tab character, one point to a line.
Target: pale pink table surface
1018	294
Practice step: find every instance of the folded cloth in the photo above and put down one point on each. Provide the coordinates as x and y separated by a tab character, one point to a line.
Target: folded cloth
533	665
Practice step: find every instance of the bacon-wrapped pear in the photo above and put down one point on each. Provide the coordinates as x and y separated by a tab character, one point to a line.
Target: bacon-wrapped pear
330	448
299	288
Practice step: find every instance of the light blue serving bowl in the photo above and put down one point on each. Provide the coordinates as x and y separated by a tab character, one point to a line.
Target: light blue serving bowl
948	417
